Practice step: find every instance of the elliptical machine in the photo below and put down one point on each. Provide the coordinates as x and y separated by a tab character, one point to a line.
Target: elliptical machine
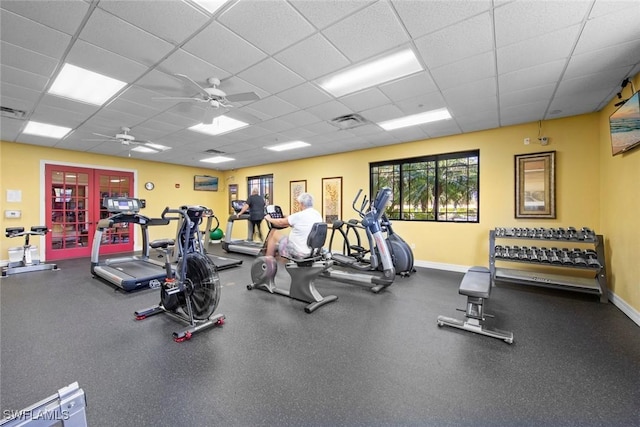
191	295
377	266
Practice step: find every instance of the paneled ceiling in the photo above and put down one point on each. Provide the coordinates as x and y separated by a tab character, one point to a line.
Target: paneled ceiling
492	63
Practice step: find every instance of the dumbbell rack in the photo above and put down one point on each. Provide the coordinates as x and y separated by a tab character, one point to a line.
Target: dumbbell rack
549	239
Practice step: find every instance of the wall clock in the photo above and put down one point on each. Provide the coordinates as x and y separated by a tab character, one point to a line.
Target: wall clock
149	185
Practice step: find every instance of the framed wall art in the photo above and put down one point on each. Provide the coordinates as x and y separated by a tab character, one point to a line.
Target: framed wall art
535	185
331	199
296	188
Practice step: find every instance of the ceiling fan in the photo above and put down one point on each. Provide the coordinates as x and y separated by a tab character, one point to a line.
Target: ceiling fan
127	140
213	96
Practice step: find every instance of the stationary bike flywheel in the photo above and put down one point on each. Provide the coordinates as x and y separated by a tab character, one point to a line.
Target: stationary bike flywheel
202	286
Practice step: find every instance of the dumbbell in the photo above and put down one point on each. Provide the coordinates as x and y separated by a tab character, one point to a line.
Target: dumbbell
524	253
572	233
578	257
508	232
533	255
588	233
514	252
543	255
592	258
553	256
547	233
565	258
497	250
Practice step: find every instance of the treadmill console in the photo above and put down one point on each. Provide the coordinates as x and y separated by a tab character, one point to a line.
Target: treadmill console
121	204
237	205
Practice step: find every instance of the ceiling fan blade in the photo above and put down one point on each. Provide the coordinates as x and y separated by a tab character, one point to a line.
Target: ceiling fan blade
242	97
178	98
109	137
192	82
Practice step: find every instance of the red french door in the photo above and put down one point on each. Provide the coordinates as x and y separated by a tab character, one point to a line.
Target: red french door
74	206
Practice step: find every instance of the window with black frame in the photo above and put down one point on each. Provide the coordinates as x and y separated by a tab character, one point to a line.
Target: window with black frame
442	187
264	184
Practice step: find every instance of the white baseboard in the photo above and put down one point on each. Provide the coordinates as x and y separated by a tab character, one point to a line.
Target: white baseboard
621	304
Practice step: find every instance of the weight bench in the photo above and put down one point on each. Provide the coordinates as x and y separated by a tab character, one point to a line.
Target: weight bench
476	286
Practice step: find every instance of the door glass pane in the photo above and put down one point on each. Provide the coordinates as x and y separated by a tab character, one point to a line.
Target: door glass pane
112	185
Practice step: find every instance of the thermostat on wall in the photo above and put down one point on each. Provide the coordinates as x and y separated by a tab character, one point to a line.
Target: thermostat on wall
12	214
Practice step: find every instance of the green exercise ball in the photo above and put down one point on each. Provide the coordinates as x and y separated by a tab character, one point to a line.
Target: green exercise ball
216	234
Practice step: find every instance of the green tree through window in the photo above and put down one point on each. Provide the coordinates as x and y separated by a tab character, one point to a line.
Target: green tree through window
443	187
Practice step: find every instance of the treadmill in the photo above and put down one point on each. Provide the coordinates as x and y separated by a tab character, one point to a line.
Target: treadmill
239	246
129	272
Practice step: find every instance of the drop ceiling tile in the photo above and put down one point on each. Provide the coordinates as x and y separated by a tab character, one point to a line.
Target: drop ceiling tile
595	82
545	48
10	129
304	96
526	96
183	62
324	60
610	30
329	110
424	17
369	32
224	49
30	35
382	113
27	60
409	87
468	38
326	12
481	121
23	78
63	16
68	104
465	71
172	21
273	106
467	92
114	34
280	24
522	20
624	54
364	100
534	76
99	60
574	103
271	76
300	118
122	105
523	112
17	104
275	125
420	103
16	92
444	128
473	105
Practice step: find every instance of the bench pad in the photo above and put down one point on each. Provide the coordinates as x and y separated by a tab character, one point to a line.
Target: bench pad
476	283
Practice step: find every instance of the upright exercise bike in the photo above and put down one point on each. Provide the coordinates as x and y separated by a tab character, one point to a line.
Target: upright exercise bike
191	295
377	266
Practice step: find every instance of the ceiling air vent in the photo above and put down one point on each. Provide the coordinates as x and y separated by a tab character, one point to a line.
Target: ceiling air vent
349	121
213	151
12	113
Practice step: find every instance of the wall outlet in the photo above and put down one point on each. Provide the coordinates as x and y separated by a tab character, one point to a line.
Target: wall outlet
527	141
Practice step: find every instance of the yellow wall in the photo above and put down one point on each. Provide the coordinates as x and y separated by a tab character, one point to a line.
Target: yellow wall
619	210
21	170
583	165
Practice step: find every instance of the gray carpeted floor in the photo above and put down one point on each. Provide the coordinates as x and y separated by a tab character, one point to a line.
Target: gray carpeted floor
365	360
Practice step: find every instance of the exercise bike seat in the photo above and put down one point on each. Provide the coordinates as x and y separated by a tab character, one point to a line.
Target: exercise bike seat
315	241
162	243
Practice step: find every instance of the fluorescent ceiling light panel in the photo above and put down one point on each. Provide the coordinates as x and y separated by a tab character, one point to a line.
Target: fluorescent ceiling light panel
380	70
83	85
211	5
217	159
143	149
287	146
220	125
416	119
46	130
157	147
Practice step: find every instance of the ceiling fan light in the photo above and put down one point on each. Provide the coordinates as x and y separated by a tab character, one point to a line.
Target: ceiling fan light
83	85
46	130
220	125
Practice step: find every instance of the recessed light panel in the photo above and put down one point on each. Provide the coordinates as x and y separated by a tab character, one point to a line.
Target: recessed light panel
83	85
287	146
372	73
220	125
217	159
46	130
416	119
